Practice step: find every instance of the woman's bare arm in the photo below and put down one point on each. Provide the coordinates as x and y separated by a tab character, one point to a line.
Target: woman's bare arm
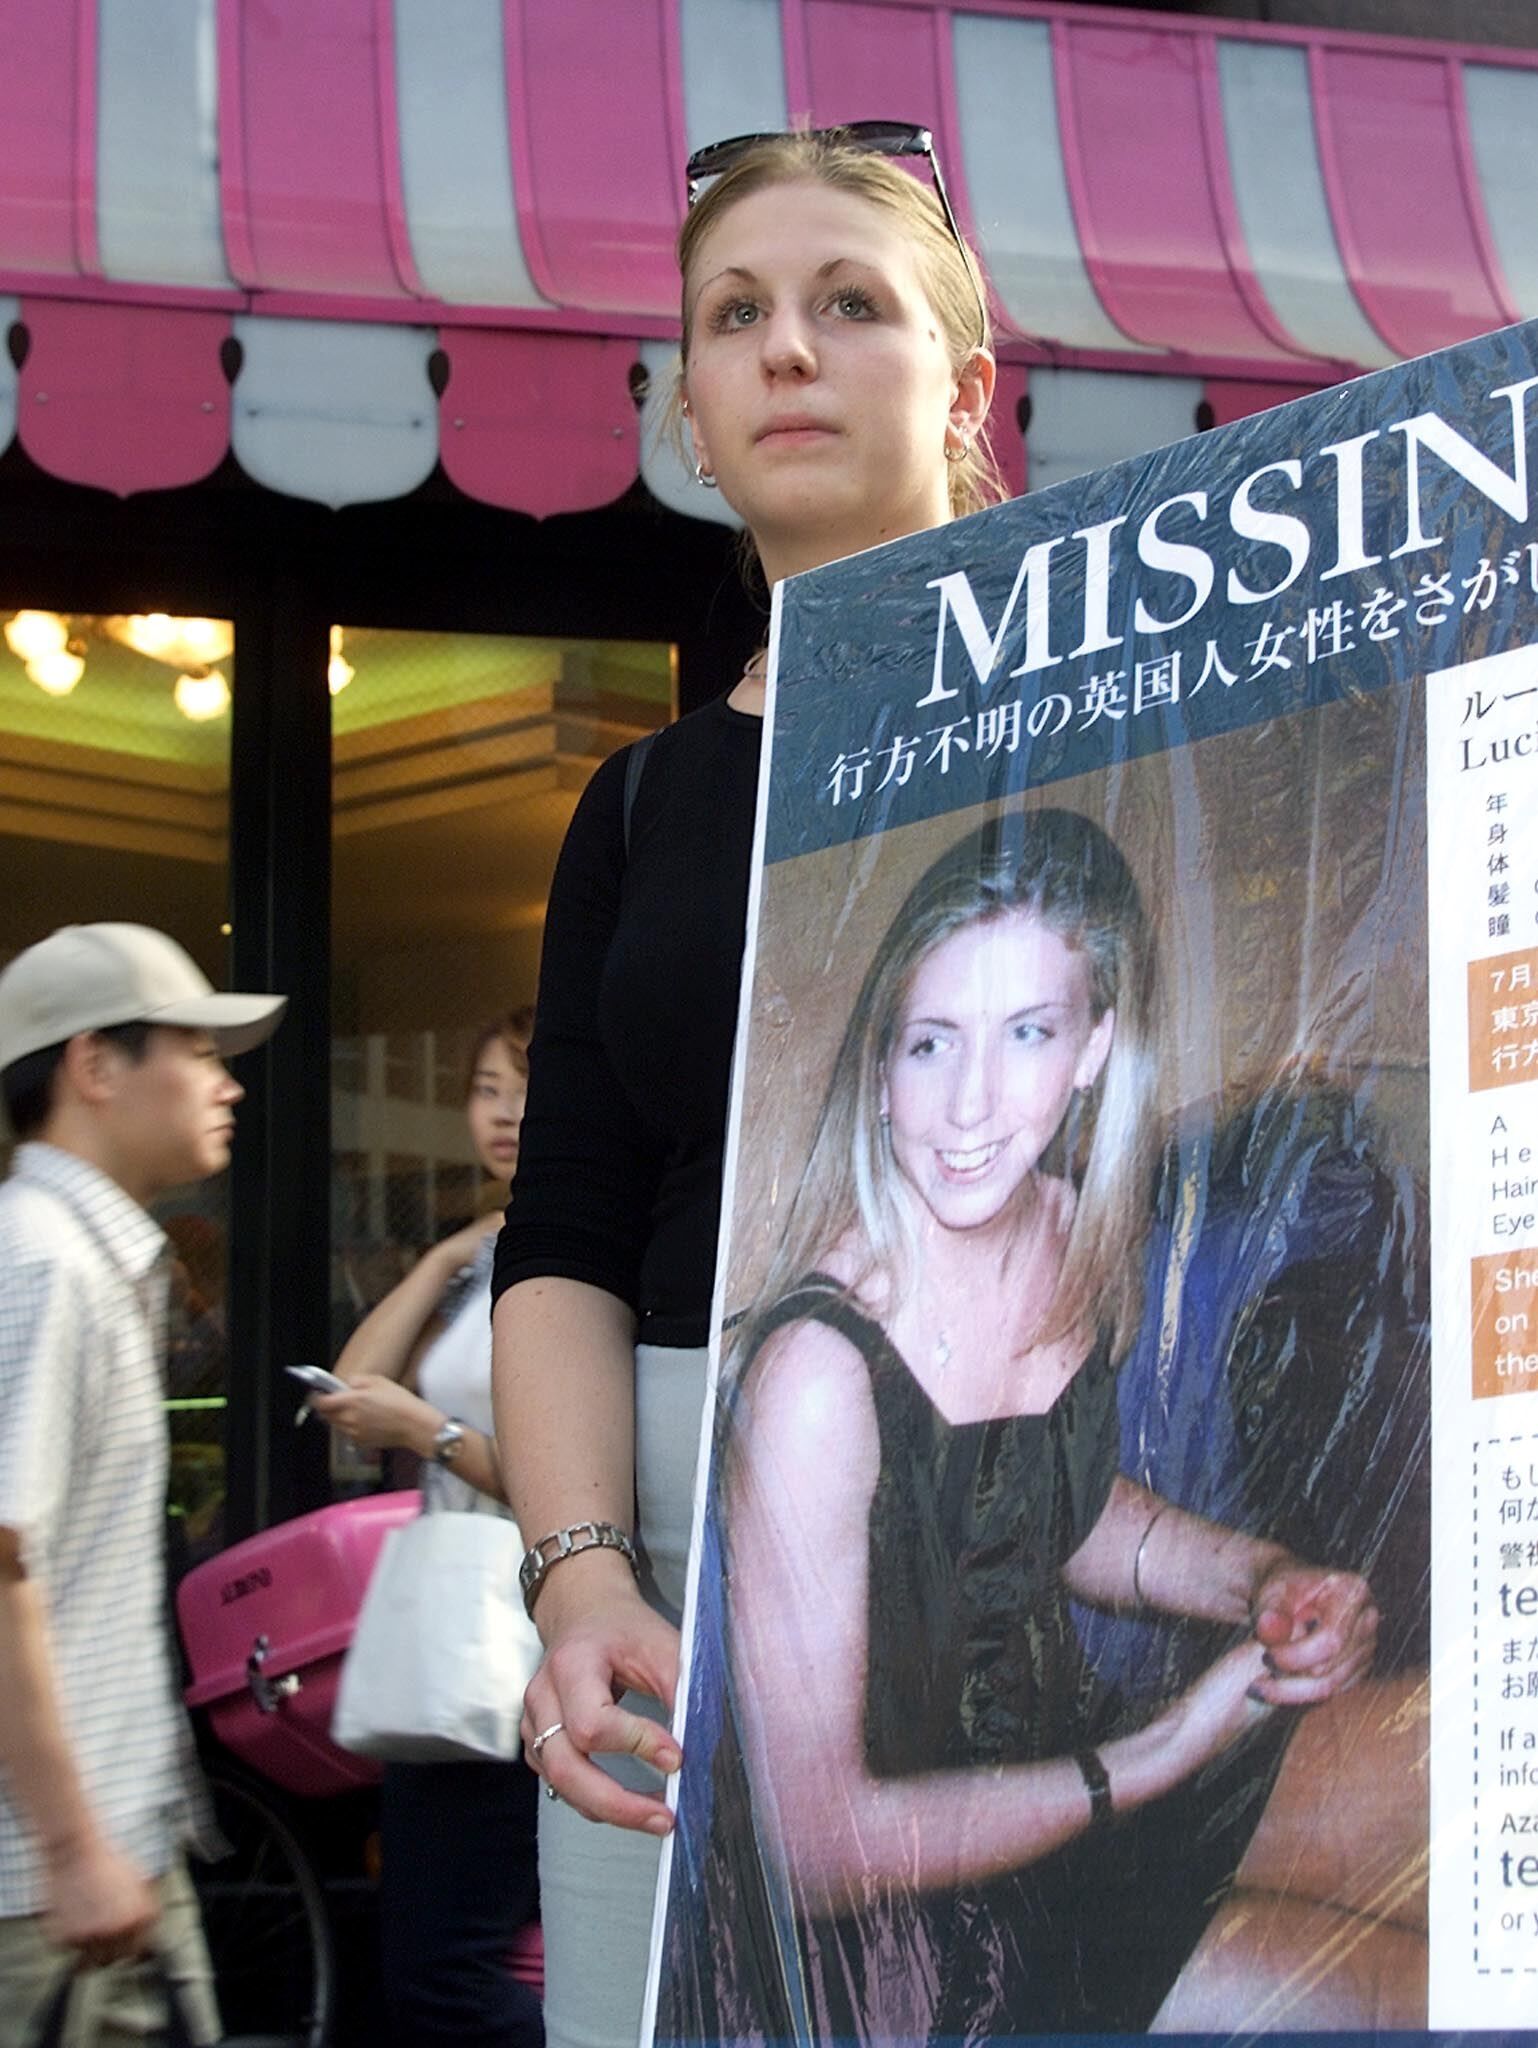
384	1416
392	1335
563	1391
1145	1552
382	1410
800	1480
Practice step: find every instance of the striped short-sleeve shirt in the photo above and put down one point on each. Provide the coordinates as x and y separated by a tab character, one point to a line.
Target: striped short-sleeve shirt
83	1468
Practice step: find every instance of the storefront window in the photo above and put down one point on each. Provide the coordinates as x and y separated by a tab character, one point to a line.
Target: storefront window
458	760
114	804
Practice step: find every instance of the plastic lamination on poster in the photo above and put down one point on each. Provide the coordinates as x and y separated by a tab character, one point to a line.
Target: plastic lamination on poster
1130	1215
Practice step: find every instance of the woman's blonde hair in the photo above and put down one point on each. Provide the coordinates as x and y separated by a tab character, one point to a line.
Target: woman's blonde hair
1061	868
952	276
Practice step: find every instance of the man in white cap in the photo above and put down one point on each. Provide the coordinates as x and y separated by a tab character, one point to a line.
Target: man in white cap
112	1049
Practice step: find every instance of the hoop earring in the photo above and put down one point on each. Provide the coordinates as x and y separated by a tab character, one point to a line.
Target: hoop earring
703	476
959	452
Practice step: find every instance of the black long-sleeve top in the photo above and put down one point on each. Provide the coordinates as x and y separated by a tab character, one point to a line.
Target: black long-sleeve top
619	1163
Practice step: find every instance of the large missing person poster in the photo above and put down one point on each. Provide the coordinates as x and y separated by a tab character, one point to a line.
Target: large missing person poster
1115	1603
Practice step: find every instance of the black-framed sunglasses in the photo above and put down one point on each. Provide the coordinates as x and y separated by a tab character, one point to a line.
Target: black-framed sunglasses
878	138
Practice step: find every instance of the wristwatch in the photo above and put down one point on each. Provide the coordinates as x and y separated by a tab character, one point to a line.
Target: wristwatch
449	1441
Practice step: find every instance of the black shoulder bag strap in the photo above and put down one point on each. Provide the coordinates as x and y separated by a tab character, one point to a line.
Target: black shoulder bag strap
635	764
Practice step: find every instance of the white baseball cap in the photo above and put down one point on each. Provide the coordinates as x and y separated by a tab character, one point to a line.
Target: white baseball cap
86	977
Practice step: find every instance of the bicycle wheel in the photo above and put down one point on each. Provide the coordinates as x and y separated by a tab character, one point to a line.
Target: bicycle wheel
265	1918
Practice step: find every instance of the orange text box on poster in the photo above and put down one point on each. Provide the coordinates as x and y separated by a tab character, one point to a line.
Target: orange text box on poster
1503	1019
1504	1292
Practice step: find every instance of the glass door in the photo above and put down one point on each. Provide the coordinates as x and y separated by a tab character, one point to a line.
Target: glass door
457	761
114	804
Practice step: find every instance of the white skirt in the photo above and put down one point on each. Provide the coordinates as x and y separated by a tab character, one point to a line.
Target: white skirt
597	1884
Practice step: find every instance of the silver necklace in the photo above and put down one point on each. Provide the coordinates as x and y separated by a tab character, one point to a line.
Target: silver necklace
942	1350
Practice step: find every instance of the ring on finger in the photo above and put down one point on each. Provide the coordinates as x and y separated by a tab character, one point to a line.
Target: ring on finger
543	1737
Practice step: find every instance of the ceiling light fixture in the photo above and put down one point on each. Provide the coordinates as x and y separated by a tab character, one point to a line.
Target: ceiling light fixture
339	670
57	671
202	695
33	634
182	643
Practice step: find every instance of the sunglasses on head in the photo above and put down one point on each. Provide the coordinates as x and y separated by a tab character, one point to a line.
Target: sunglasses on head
876	138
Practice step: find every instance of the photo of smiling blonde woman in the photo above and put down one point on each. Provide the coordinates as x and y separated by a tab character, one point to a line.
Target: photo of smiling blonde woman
918	1471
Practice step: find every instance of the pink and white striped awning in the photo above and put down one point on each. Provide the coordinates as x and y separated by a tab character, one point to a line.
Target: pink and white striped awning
346	187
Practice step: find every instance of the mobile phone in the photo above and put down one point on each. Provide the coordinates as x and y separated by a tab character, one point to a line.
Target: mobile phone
317	1379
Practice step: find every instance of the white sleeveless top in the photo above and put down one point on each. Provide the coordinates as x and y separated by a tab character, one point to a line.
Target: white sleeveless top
454	1374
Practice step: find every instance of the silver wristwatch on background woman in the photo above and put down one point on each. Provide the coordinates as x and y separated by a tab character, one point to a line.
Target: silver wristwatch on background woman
449	1441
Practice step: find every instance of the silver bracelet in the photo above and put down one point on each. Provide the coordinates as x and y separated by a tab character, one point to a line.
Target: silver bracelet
1137	1563
571	1541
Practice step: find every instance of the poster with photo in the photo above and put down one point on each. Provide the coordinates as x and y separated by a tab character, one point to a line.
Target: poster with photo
1115	1591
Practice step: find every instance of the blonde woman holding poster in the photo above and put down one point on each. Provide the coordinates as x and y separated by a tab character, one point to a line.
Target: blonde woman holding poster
836	377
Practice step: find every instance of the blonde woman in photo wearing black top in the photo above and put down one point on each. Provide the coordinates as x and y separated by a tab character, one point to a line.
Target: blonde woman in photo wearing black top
920	1768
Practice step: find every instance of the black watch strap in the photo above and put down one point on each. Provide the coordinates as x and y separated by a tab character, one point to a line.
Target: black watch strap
1097	1783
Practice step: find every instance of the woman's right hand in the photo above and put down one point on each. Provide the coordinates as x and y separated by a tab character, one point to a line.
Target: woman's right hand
460	1248
601	1639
